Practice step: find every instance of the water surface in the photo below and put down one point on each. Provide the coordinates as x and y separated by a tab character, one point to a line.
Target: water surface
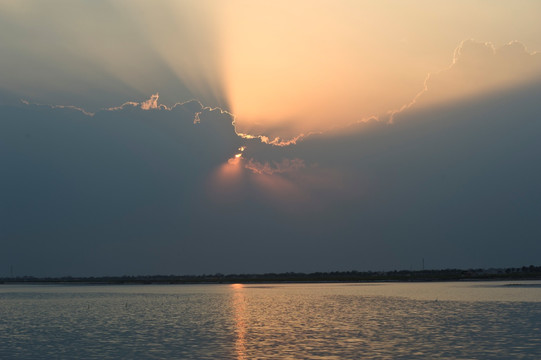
473	320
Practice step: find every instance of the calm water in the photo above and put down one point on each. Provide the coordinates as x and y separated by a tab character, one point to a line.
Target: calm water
491	320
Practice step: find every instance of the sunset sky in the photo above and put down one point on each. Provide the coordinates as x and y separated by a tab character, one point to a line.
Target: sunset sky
190	137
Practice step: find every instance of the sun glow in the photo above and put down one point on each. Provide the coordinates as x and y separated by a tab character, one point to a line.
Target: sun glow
308	66
226	182
287	86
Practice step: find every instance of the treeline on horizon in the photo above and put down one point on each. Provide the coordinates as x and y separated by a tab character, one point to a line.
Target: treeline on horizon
523	273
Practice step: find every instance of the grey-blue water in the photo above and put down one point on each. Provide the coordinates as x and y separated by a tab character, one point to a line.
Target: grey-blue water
479	320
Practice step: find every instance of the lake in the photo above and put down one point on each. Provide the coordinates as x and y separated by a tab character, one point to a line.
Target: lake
466	320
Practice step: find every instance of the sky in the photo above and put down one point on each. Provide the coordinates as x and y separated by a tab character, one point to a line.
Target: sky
197	137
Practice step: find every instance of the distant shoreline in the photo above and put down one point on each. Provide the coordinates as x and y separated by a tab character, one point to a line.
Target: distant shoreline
523	273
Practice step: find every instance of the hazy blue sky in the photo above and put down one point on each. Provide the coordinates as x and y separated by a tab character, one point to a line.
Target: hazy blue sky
434	156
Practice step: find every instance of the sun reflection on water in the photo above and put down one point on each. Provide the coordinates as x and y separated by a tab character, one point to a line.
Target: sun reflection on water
239	308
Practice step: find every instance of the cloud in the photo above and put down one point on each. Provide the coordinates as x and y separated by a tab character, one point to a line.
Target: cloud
123	187
286	165
151	103
455	181
71	107
478	69
156	191
81	189
452	178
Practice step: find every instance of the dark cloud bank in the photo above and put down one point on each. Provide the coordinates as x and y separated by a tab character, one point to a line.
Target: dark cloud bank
133	191
457	184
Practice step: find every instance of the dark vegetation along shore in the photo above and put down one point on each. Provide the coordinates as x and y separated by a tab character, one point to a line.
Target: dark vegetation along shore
523	273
